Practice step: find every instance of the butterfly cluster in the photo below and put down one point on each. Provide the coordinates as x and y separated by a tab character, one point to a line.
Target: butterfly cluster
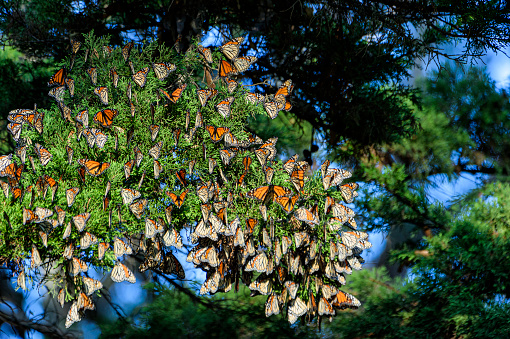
135	153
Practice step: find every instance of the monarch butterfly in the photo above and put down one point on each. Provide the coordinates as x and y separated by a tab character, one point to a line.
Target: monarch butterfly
261	285
121	273
211	284
268	193
13	171
128	166
80	221
226	69
138	207
342	212
199	120
18	115
73	315
5	160
243	63
203	193
151	228
91	137
42	213
101	250
254	98
138	156
115	77
216	133
206	94
297	179
226	155
305	215
15	130
140	77
83	118
287	203
349	192
177	134
269	173
297	307
343	299
5	188
61	214
57	93
87	240
92	72
231	85
155	151
258	263
105	117
285	89
206	53
153	130
102	93
91	285
210	256
231	48
71	195
172	238
21	152
224	107
178	200
78	266
120	248
181	175
65	111
325	307
126	50
286	242
58	78
100	137
271	108
157	169
205	229
171	265
75	45
70	86
163	69
176	94
67	231
94	168
28	216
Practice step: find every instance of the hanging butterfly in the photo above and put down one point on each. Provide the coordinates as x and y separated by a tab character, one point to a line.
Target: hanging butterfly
70	86
224	107
138	156
65	112
254	98
287	203
305	215
226	69
126	50
140	77
153	129
58	78
128	167
157	169
231	85
205	94
155	151
138	207
243	63
92	72
57	93
121	273
94	168
176	94
231	48
115	77
105	117
102	93
178	200
43	154
163	69
206	53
